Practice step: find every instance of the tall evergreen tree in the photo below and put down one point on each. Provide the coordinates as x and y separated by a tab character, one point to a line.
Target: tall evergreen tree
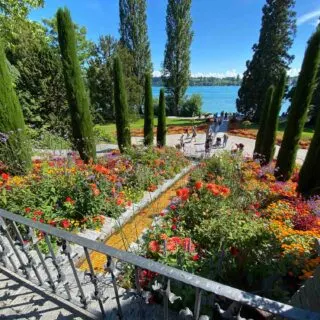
263	123
176	65
134	36
161	128
15	151
270	56
315	104
76	94
148	111
299	108
121	107
270	133
309	177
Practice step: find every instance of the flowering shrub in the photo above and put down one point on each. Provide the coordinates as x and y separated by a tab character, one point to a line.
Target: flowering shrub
70	194
243	228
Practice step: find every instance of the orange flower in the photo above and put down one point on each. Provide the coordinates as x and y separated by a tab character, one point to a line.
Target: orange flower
154	246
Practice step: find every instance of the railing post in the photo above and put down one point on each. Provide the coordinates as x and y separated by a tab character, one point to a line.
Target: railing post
67	251
197	304
4	229
109	267
94	280
25	250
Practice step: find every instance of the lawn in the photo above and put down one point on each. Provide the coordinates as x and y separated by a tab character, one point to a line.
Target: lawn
250	131
137	126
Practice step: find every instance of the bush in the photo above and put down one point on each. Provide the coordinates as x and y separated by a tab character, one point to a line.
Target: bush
192	106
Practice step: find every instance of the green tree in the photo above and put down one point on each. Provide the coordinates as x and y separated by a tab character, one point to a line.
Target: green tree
77	97
161	129
299	108
271	127
85	47
15	151
148	112
309	176
176	65
257	153
134	36
270	56
121	107
192	106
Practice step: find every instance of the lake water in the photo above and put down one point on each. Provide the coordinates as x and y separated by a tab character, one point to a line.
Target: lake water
217	98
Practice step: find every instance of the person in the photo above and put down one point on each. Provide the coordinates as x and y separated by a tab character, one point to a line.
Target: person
194	133
182	142
225	140
239	148
218	143
187	133
208	144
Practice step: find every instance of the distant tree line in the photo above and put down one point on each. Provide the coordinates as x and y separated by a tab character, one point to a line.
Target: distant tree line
205	81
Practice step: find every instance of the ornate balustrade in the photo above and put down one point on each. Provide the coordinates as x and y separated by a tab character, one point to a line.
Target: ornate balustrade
20	251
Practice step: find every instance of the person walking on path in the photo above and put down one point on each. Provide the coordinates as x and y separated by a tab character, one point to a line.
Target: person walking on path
194	133
225	140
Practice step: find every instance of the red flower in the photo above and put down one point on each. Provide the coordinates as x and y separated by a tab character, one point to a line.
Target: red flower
68	199
154	246
198	185
234	251
183	194
173	207
65	224
38	213
27	210
196	257
174	227
5	176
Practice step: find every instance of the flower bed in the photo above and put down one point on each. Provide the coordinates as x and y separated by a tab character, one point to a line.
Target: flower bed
304	143
72	195
235	224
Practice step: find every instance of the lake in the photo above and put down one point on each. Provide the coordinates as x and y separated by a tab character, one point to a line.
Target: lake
217	98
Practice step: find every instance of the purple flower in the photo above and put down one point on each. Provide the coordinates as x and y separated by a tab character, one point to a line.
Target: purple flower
3	137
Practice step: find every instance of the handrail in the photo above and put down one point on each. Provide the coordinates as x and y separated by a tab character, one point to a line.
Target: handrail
255	301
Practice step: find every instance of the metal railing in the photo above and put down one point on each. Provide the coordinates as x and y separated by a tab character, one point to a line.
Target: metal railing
20	252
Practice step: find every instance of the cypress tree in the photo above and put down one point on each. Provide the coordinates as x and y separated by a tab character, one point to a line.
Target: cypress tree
161	129
309	177
15	149
299	109
270	134
148	111
76	94
263	123
176	65
121	107
270	56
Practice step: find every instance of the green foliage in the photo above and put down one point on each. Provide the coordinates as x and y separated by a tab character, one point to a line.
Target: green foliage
299	108
45	140
269	138
270	56
148	112
263	122
15	150
309	176
77	97
134	37
121	107
161	128
101	136
176	65
192	106
84	46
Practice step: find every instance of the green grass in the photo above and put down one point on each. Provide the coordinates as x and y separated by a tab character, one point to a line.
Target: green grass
111	127
306	134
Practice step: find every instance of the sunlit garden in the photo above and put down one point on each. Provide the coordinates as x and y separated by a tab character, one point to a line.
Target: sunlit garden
72	158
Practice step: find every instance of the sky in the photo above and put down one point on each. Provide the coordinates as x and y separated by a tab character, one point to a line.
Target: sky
224	30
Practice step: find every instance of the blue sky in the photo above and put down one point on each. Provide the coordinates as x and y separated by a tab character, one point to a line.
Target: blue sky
224	30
